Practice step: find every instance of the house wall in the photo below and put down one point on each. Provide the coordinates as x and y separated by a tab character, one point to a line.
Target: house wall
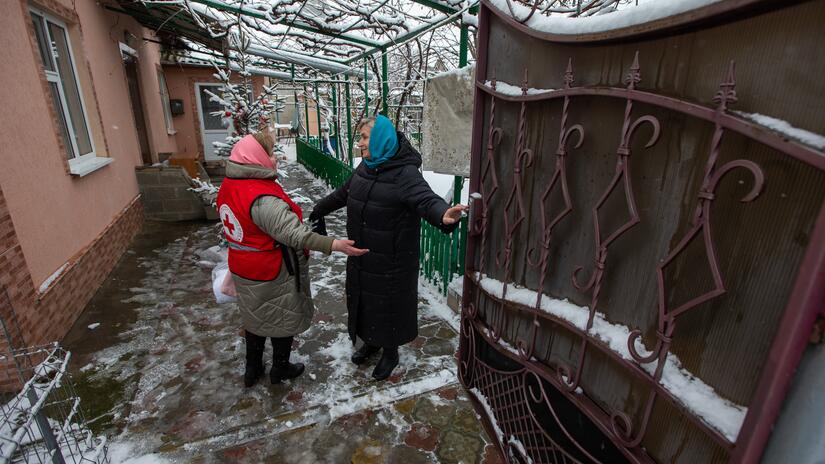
181	81
79	224
160	140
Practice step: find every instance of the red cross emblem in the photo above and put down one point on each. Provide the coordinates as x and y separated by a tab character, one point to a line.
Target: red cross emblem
231	226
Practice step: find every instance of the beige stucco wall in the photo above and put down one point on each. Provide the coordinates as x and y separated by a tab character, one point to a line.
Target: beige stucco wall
56	215
181	81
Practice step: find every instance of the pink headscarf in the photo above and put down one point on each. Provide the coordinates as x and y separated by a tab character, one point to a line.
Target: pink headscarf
249	151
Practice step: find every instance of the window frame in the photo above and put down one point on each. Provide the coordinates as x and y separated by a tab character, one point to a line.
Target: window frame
53	76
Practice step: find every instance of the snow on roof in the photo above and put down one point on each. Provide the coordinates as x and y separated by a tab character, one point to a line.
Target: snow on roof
330	36
605	20
367	24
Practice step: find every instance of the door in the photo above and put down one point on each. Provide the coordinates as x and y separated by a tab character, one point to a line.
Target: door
137	108
213	128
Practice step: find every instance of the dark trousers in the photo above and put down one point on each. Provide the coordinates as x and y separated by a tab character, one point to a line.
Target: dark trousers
281	347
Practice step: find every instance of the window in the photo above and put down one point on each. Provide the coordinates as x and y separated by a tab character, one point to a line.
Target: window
61	75
164	101
211	110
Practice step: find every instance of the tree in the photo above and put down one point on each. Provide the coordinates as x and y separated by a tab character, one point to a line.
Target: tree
245	113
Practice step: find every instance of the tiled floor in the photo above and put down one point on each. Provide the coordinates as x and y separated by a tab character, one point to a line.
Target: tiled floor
161	374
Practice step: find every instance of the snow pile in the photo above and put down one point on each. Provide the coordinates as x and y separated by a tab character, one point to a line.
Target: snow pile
457	285
49	280
442	184
699	397
514	90
470	20
487	409
214	254
518	445
378	397
647	11
344	391
800	135
466	71
130	453
504	344
436	305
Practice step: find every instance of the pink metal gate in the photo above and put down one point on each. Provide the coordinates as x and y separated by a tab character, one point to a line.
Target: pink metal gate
654	314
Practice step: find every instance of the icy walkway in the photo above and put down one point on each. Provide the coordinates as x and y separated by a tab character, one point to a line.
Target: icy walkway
159	365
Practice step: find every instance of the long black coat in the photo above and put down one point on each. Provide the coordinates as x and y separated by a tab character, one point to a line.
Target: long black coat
384	208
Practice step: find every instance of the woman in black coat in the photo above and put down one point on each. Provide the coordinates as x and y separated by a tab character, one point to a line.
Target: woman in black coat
386	197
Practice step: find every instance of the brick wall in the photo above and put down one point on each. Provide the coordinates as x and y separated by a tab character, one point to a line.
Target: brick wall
65	298
166	194
47	317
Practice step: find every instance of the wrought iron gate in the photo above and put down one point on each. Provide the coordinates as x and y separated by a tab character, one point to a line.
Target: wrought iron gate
645	263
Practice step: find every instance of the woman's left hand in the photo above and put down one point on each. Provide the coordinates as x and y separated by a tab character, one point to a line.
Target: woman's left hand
452	215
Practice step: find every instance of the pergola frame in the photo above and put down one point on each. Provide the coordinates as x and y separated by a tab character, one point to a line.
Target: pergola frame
189	27
333	66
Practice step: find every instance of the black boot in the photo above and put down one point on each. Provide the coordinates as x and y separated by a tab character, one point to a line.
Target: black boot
388	361
254	359
282	369
360	356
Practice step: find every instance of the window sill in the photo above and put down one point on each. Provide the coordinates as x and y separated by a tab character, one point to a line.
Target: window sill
84	167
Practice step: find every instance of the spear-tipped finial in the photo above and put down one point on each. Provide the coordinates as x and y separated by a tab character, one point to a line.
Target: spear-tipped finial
727	89
634	77
568	74
524	83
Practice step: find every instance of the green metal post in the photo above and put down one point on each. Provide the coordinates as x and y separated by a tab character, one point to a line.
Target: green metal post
463	45
349	119
447	262
318	115
335	120
385	87
295	97
306	111
462	245
366	90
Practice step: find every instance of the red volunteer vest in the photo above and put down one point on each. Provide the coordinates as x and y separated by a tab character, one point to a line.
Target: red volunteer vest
253	254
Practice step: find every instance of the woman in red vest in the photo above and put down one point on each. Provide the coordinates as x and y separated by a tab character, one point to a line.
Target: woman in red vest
268	250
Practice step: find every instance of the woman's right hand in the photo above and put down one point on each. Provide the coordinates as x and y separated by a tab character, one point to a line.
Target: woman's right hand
346	247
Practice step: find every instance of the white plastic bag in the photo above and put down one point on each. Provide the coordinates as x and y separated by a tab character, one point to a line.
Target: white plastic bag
222	284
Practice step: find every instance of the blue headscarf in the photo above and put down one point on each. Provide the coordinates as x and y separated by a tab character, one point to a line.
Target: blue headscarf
383	142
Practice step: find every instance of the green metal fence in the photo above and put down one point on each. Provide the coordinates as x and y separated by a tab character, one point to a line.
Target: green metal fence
331	170
442	255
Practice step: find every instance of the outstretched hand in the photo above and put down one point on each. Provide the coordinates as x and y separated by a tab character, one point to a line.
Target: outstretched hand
452	215
346	247
319	226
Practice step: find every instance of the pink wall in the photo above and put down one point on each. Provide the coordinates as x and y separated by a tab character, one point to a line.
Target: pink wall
56	215
149	63
181	81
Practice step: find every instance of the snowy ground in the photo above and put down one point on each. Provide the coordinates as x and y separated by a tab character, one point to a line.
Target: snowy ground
159	364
